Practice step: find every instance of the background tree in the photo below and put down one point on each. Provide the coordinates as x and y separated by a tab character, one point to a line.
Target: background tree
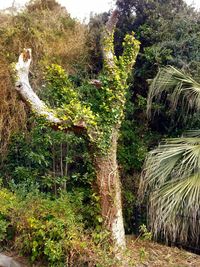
168	32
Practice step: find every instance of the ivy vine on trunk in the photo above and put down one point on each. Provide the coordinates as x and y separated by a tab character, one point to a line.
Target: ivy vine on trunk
101	127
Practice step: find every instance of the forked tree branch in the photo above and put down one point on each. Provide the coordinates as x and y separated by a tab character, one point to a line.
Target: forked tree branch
36	105
108	46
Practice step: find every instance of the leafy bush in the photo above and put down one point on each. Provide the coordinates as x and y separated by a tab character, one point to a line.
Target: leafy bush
52	230
3	228
47	160
7	203
45	228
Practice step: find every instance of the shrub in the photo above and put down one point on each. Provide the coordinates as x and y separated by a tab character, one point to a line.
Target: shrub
3	228
44	228
52	231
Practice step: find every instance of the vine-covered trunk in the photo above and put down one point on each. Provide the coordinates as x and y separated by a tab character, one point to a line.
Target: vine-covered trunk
82	119
109	186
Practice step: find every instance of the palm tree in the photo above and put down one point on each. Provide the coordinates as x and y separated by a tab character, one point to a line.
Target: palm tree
172	170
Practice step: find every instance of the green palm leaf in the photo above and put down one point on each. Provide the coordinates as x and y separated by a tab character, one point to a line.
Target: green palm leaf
192	133
172	170
178	85
175	210
172	175
174	159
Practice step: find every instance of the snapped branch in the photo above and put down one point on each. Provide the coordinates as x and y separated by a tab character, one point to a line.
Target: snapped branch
36	105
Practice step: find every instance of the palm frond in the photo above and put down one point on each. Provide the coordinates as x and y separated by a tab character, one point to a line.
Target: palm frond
172	170
192	133
174	159
174	210
179	87
172	176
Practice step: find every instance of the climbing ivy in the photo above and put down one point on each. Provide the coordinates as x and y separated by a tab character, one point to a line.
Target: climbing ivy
109	113
114	87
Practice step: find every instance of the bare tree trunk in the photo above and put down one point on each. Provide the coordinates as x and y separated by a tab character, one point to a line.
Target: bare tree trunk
54	169
109	186
61	160
66	167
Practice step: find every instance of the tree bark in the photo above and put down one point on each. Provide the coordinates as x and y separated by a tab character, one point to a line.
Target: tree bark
109	186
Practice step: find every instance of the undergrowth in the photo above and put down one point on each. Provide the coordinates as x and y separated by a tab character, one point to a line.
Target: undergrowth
52	231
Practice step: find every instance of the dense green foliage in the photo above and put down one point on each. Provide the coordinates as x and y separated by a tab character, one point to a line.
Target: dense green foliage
58	210
40	165
169	34
52	230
